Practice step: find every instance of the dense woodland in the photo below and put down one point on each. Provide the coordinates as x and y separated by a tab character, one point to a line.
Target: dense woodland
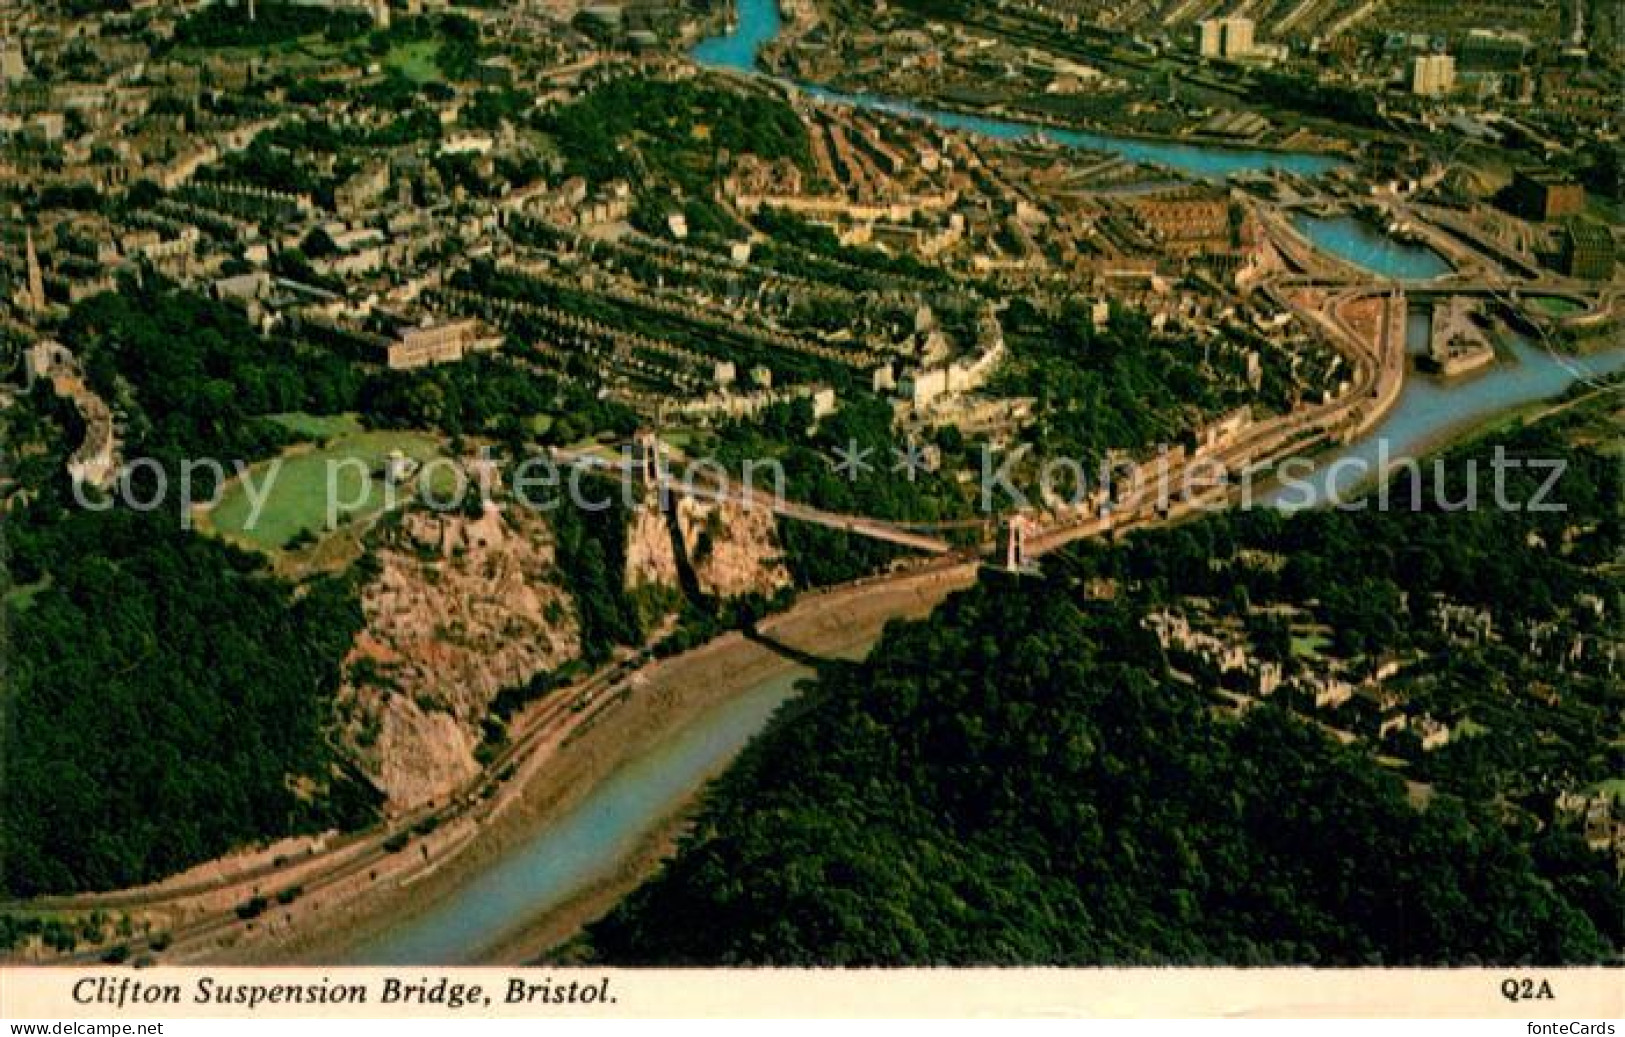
1020	779
147	728
818	556
198	380
591	549
1017	781
164	701
676	129
1102	389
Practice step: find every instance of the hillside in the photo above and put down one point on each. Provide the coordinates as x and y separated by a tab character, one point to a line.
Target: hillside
1030	776
1015	781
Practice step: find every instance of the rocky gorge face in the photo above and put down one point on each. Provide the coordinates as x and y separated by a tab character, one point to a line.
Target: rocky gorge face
461	608
734	550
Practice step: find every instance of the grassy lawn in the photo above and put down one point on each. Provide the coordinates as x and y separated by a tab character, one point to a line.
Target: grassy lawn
415	60
297	499
319	426
1555	305
1309	646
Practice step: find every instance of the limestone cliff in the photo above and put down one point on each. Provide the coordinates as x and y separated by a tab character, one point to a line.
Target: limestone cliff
460	609
734	550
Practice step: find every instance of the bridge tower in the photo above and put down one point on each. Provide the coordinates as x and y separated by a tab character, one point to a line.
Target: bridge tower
1012	543
646	456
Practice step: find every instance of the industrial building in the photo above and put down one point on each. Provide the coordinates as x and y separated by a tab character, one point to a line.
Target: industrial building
1545	195
1588	250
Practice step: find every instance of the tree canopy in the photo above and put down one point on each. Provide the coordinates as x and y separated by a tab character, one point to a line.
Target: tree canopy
165	703
1018	781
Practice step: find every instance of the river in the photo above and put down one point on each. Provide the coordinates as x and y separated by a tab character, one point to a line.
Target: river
1431	411
759	22
587	842
1428	412
1355	240
592	840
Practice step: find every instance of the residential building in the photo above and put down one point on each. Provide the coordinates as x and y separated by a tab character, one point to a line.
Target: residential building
1432	75
441	342
1228	38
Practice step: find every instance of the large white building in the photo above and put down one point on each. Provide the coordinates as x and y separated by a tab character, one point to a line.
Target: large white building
1211	37
1226	37
1432	75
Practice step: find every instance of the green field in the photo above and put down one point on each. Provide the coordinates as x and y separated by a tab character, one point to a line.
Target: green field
297	499
1309	646
319	426
1556	305
415	60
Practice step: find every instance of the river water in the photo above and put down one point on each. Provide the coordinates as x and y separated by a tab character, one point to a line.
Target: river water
759	22
591	841
1355	240
587	843
1428	411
